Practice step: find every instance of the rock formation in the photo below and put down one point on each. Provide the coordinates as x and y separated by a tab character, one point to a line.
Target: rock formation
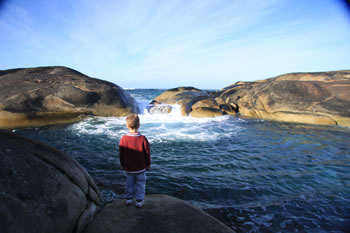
313	98
50	95
173	96
43	189
161	214
193	102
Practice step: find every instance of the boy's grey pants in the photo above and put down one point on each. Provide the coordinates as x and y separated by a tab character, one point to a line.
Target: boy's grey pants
135	185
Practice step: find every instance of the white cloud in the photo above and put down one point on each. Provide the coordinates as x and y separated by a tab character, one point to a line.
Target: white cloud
149	42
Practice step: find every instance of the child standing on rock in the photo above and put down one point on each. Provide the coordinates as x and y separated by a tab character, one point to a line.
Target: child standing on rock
135	159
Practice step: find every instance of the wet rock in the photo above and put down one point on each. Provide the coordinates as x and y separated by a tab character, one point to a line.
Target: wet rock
160	109
189	98
52	95
312	98
185	96
43	189
160	214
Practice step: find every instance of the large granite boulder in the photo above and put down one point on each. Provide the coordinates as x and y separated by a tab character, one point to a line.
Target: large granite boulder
194	102
161	214
43	189
176	96
312	98
50	95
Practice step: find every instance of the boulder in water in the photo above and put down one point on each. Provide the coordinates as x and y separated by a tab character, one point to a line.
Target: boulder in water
50	95
43	189
313	98
190	98
171	96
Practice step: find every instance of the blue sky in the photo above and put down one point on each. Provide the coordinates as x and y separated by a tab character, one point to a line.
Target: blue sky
207	44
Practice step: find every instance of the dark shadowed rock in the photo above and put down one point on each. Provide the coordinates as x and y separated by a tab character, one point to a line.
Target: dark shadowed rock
43	189
51	95
230	109
160	214
313	98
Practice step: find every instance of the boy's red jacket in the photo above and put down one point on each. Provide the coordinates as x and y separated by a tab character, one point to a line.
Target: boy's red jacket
134	152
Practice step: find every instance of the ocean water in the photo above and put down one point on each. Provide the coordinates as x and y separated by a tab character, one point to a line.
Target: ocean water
253	175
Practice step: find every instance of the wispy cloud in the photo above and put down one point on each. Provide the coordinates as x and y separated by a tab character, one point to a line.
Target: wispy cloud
164	43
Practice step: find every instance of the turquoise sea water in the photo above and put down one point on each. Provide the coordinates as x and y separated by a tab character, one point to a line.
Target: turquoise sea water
255	176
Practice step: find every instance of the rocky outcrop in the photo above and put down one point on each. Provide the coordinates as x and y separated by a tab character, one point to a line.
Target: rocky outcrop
50	95
176	96
43	189
193	101
313	98
161	214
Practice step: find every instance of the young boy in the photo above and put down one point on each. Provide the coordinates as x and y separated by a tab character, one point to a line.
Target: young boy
135	158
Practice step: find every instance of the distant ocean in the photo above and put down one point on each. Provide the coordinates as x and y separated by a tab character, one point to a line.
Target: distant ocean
253	175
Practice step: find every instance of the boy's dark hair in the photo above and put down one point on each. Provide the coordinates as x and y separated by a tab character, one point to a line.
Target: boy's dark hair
133	121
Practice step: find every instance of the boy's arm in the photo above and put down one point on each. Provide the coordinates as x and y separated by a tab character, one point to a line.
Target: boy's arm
121	154
147	151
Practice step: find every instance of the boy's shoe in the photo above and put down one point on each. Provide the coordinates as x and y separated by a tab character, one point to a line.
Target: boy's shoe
128	202
139	203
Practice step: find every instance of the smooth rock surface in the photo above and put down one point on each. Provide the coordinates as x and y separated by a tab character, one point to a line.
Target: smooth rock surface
43	189
209	102
171	96
40	96
160	214
202	112
190	98
313	98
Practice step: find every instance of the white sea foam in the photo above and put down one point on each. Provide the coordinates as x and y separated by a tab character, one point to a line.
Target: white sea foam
162	127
